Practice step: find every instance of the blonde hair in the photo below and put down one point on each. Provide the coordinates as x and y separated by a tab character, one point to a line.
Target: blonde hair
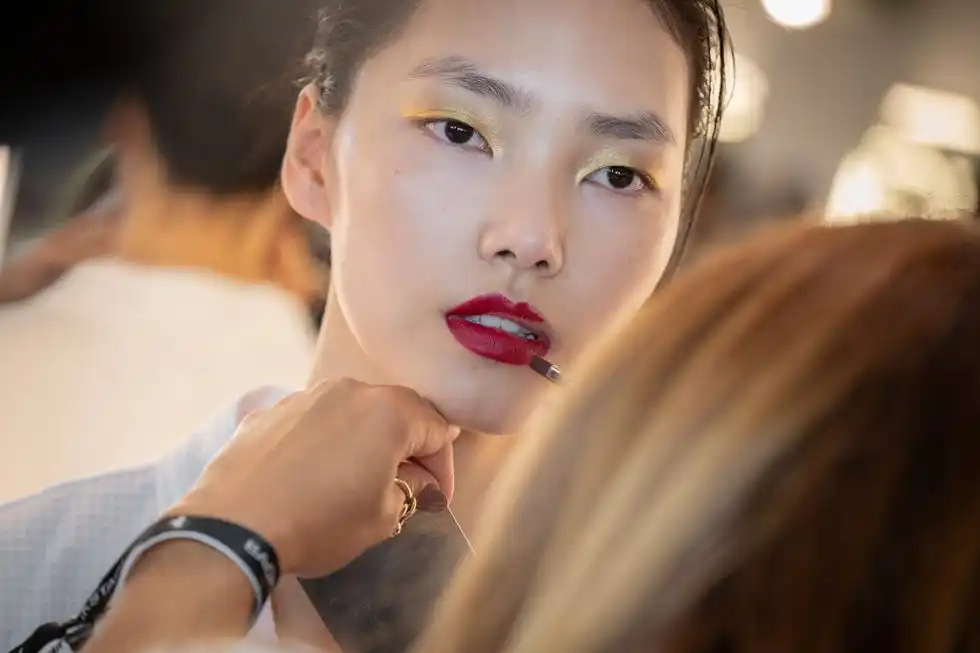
227	645
781	454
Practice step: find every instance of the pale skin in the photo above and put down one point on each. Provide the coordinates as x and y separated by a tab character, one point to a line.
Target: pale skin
523	221
567	197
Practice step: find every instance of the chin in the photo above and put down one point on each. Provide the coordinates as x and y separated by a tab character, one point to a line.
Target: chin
471	392
500	408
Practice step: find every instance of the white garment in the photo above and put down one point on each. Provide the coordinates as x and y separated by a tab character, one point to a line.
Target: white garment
117	363
56	546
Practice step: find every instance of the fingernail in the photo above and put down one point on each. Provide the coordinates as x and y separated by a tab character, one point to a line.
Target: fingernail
454	432
431	499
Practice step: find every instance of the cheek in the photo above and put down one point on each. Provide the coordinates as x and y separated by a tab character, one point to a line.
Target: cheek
407	221
617	273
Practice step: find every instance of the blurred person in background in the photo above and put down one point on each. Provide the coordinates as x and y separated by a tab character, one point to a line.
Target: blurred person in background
90	232
184	279
779	454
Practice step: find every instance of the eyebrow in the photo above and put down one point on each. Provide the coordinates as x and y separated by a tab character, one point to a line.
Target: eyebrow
646	126
463	73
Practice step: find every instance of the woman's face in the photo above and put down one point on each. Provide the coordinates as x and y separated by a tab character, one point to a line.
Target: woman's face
524	149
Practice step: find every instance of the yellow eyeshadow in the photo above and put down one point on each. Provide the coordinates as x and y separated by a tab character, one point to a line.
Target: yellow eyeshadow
611	158
488	130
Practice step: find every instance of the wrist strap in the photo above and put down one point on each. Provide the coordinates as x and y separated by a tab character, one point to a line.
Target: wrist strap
250	552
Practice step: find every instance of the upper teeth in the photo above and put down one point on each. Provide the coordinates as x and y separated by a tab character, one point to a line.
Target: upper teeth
503	324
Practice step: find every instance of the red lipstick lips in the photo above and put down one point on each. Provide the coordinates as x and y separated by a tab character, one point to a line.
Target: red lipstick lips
494	327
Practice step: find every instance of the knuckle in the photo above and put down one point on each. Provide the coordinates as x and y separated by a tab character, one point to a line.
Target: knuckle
347	383
399	395
249	420
318	392
391	404
333	391
323	387
255	418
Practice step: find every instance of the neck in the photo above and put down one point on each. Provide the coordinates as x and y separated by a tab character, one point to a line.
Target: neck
478	457
253	238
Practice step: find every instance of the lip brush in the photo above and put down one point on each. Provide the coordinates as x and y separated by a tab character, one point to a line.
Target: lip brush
547	369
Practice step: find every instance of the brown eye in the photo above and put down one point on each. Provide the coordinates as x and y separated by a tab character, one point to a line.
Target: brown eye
458	132
622	179
455	132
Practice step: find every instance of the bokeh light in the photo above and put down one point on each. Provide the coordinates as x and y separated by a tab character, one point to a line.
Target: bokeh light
797	14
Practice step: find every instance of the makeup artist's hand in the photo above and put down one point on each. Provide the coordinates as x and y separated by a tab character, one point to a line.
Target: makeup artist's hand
315	474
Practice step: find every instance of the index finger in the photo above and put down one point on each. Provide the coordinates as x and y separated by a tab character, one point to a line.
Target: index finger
430	431
430	443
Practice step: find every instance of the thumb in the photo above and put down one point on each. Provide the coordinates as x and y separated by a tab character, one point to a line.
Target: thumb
430	443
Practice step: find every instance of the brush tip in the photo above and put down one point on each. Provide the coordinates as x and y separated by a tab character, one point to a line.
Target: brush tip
545	368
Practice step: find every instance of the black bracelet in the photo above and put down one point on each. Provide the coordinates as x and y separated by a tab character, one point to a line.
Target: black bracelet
250	552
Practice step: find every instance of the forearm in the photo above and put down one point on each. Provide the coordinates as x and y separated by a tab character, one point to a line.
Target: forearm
178	592
22	279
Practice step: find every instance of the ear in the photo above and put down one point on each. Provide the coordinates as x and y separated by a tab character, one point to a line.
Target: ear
307	167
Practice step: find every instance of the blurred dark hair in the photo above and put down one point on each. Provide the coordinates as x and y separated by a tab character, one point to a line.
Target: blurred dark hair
217	78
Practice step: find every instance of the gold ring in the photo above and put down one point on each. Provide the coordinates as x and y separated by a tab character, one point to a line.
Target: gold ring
409	506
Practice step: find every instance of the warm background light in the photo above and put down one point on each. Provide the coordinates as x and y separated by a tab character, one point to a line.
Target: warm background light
858	190
936	118
889	175
797	14
914	161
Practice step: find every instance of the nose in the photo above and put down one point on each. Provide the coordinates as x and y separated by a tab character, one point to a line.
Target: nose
527	234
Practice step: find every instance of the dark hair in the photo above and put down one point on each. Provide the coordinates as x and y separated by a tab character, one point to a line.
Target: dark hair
216	77
351	32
